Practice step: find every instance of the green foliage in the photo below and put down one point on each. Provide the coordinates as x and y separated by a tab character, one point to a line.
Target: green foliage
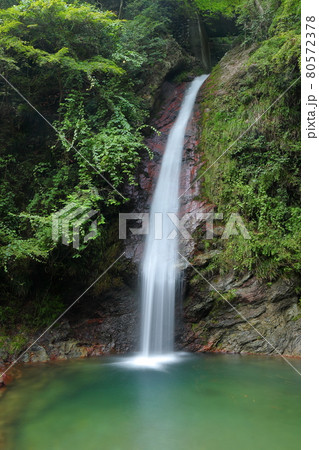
76	64
255	18
280	51
48	34
91	76
276	23
110	151
13	344
259	176
212	7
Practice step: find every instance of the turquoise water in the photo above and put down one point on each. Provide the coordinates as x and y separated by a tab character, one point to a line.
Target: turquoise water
221	402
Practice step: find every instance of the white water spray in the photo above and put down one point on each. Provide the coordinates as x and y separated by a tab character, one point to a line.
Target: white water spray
159	271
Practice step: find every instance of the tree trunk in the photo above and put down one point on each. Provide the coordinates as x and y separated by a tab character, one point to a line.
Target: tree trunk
121	9
259	7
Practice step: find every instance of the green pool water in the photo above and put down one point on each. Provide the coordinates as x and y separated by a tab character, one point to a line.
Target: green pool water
200	403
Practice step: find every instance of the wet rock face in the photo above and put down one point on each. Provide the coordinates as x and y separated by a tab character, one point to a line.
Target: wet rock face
96	327
244	316
171	96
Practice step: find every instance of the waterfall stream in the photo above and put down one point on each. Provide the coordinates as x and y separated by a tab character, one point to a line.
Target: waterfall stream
159	270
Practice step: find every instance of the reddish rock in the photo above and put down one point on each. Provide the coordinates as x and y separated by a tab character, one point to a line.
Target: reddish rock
94	321
5	379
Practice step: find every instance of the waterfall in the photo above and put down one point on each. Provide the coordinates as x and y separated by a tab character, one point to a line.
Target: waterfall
204	44
159	270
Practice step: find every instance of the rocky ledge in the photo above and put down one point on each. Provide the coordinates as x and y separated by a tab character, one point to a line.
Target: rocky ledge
242	316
